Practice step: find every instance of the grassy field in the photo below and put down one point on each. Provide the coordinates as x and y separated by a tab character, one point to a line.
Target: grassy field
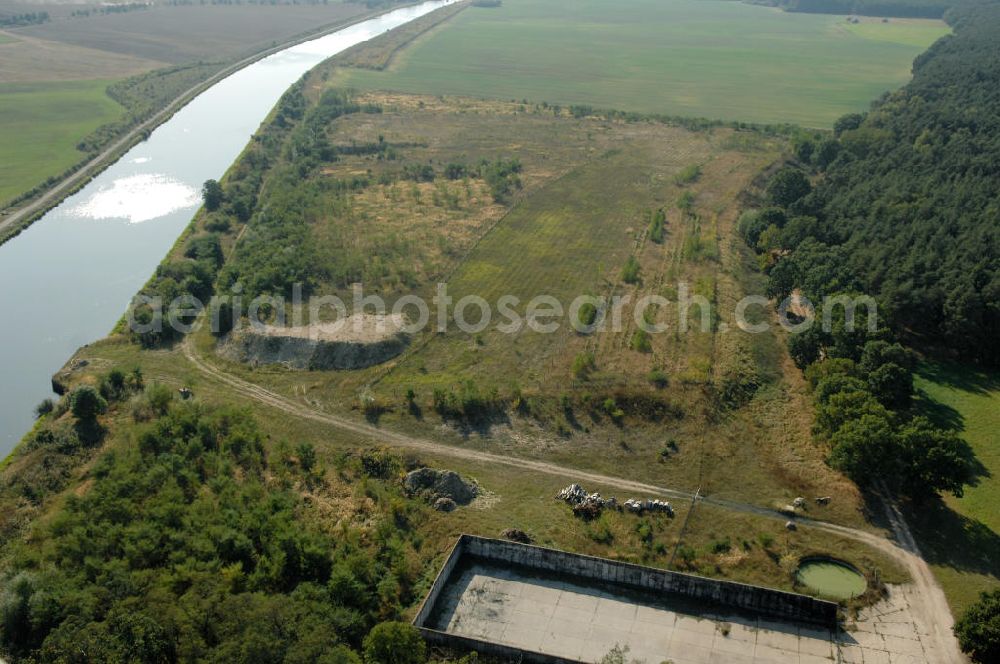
962	535
686	57
41	124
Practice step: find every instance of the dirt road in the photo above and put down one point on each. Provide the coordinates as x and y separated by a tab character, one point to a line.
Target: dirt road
931	610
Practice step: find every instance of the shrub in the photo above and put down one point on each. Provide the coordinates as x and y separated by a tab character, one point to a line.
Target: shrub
587	314
640	341
721	546
394	643
685	201
86	404
159	397
658	378
630	273
656	226
584	365
688	174
44	407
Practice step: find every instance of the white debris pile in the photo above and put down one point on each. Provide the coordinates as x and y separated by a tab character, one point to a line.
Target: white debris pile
589	503
654	505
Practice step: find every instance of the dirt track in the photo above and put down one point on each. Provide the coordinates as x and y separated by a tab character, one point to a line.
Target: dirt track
931	610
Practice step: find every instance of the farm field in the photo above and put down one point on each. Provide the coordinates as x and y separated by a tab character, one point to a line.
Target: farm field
181	34
64	66
42	123
706	58
962	536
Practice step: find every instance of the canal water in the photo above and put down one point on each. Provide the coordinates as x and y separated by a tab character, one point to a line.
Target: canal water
67	279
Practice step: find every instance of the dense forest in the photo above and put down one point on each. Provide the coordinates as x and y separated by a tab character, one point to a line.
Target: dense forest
908	201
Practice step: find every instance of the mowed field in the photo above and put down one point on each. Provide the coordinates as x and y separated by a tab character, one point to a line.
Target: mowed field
41	124
706	58
962	539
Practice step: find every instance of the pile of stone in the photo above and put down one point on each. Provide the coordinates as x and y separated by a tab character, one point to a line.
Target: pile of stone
443	489
654	505
590	504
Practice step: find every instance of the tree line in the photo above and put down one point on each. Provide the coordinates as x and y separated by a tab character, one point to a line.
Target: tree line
900	8
906	205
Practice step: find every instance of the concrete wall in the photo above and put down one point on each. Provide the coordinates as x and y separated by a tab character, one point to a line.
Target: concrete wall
424	614
776	603
765	601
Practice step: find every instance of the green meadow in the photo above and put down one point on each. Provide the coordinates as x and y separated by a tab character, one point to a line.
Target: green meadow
707	58
961	542
42	123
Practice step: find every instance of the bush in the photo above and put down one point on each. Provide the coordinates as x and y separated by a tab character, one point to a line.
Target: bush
640	342
584	365
685	201
656	226
86	404
44	407
658	378
394	643
630	273
159	397
587	314
688	174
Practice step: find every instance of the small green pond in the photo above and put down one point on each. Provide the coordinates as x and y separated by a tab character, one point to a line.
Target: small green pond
831	578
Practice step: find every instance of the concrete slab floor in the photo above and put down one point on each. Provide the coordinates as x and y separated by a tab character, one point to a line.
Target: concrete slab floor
575	620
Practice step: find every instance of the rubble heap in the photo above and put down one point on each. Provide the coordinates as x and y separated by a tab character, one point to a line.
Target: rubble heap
590	504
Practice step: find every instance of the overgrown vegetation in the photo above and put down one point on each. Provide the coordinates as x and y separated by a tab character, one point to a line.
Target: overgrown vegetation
197	544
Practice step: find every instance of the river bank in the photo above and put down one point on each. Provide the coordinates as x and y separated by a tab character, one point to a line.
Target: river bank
69	276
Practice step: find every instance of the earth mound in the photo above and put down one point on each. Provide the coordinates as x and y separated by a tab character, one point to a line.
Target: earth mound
436	485
355	342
